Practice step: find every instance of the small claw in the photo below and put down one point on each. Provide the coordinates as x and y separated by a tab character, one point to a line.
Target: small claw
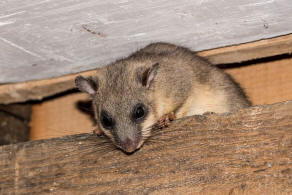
97	131
171	116
164	121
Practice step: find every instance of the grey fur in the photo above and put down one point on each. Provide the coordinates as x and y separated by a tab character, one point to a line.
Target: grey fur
179	70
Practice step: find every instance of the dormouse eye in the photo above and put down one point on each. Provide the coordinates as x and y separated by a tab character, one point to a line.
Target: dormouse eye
106	120
139	112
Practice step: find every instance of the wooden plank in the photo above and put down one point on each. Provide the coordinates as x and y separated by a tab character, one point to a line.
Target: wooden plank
267	82
45	39
60	116
246	152
250	51
36	90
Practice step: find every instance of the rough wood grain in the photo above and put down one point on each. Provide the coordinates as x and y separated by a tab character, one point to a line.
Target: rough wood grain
44	39
246	152
36	90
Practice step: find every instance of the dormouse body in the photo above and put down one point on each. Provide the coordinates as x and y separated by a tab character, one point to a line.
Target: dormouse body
130	95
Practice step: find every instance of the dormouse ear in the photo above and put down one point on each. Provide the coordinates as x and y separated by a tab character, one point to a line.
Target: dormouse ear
149	75
87	85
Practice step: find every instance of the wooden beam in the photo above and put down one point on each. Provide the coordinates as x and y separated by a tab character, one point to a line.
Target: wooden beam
261	81
249	51
36	90
246	152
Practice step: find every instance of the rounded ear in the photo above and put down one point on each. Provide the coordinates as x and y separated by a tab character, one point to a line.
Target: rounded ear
148	75
87	85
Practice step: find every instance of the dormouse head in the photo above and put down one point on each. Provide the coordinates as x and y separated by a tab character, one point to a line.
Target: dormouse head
123	102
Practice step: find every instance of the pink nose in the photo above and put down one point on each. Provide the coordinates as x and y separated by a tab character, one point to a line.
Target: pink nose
128	145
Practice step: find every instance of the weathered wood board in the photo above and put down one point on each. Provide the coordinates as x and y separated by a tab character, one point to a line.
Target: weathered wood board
37	90
44	39
246	152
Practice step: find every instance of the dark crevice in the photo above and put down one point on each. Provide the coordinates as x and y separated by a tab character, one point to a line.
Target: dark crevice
255	61
51	97
14	123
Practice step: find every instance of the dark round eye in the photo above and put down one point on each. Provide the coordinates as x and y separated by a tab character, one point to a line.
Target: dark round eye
106	121
139	112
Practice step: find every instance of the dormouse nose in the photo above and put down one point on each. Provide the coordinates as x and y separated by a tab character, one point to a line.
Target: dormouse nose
129	145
